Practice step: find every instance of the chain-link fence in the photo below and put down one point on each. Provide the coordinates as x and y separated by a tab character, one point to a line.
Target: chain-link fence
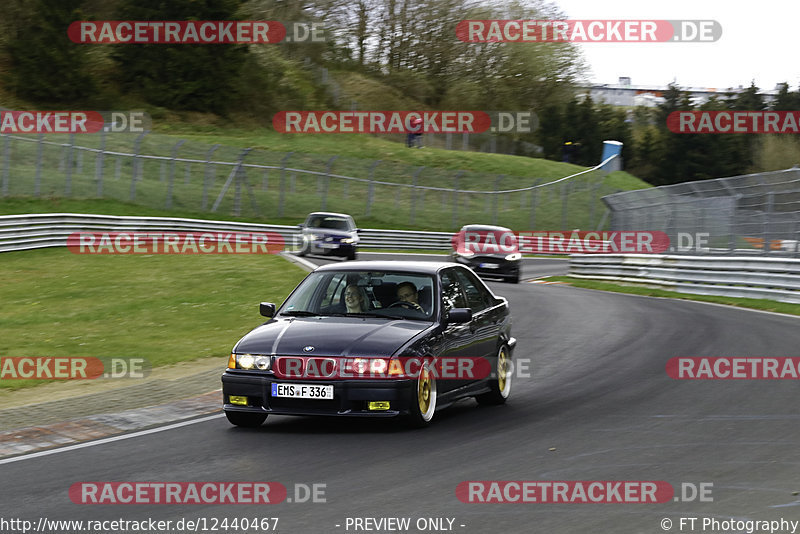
755	213
163	172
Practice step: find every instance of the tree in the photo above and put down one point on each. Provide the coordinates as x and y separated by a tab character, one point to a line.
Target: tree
45	65
190	77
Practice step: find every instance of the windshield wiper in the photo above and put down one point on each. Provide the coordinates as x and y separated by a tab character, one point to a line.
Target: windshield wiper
372	314
300	313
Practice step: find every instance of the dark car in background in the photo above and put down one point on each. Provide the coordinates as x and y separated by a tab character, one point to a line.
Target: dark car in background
487	261
390	358
330	234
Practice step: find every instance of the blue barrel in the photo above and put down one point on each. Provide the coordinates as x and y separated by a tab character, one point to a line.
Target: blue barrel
612	148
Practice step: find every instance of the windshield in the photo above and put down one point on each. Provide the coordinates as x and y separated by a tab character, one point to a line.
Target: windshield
393	295
330	223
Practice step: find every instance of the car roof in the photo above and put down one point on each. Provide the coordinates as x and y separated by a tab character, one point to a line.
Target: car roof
486	227
426	267
328	214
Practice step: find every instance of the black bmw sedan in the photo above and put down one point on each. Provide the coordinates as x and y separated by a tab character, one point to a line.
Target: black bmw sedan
374	338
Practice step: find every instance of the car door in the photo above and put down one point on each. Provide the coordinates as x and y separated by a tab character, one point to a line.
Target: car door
459	339
484	327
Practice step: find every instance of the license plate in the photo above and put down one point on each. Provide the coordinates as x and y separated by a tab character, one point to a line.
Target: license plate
489	266
330	245
302	391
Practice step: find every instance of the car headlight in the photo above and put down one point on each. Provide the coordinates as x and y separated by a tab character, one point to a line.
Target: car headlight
466	253
312	237
348	240
250	361
514	256
371	366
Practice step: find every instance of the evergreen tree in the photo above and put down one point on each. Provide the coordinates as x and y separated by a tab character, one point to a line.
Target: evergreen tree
180	76
45	65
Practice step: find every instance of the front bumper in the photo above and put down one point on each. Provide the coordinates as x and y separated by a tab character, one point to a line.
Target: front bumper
350	397
331	248
490	266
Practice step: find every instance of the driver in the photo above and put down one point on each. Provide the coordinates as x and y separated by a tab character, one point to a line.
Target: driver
407	292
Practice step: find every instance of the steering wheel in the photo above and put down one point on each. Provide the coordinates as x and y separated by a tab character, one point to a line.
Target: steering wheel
407	305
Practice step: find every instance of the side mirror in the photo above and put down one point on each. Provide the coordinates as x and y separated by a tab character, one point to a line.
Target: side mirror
459	315
300	226
358	230
267	309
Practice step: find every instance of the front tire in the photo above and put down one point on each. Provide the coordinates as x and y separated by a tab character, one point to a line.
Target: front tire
501	384
423	404
246	419
352	255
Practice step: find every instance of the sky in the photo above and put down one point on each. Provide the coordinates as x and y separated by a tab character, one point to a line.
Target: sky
760	41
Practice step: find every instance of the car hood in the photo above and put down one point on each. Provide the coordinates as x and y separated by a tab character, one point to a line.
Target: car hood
330	233
331	336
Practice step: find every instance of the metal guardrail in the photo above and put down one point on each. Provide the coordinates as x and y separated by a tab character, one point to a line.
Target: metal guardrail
749	277
758	212
31	231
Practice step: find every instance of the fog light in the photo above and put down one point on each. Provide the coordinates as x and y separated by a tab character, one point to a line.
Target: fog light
237	400
378	405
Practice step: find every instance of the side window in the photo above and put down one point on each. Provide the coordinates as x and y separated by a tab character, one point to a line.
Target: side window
478	298
452	295
333	292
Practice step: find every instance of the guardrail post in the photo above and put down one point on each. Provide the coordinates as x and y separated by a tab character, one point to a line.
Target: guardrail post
326	182
168	202
371	187
765	231
68	181
534	198
282	194
497	181
237	189
234	175
6	162
455	198
414	180
207	175
593	201
38	177
796	239
99	162
137	145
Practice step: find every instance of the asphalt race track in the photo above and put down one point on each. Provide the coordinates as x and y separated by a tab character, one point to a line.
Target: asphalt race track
598	406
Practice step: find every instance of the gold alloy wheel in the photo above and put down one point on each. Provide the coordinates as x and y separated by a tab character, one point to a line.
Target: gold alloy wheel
503	378
426	394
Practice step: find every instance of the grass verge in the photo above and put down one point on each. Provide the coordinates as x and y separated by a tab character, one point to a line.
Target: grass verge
163	308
